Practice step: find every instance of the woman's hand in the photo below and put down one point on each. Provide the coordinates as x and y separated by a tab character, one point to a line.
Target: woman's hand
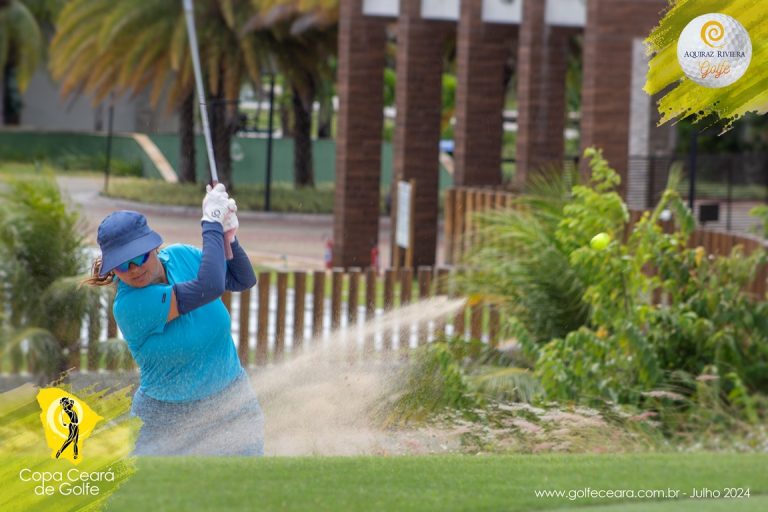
215	204
231	223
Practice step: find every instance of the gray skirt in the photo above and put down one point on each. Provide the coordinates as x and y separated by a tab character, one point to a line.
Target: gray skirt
230	422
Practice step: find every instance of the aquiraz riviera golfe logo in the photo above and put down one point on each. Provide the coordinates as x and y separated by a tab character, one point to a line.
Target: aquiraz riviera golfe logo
714	50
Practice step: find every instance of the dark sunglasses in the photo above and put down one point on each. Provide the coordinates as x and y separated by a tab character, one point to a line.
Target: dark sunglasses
138	261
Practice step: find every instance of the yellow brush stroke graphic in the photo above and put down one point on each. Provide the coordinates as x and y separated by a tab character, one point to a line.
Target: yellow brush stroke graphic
712	31
25	451
685	98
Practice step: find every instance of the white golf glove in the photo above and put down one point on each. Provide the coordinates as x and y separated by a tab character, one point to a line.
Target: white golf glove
230	219
215	204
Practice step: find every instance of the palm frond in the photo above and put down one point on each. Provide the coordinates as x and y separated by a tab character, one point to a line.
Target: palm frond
43	350
116	354
506	383
25	34
522	260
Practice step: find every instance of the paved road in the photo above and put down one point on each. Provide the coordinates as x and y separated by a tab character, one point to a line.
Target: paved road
290	241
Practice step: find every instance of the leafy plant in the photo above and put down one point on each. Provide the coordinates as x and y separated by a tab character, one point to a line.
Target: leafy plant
457	375
41	258
615	323
761	212
21	45
523	265
631	342
116	354
432	382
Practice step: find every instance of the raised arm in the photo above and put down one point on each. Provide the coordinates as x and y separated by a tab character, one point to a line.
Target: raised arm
240	274
209	284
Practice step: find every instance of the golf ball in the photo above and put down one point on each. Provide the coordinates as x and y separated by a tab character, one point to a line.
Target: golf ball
600	241
714	50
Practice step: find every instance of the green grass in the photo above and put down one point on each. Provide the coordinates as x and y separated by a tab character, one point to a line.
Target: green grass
442	483
71	165
24	169
719	190
284	197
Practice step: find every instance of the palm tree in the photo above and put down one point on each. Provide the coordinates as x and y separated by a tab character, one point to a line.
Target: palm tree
126	48
104	47
301	36
231	58
45	13
20	49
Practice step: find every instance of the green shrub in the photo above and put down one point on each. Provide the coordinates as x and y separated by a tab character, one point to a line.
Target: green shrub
453	374
630	344
761	213
72	162
590	317
41	259
284	196
117	167
433	382
524	266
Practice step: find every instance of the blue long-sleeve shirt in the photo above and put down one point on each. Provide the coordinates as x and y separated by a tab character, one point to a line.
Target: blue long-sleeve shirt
193	356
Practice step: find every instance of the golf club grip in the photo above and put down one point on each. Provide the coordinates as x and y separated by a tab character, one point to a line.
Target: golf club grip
228	245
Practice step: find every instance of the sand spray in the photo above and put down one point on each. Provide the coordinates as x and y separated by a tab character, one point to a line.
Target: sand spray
318	401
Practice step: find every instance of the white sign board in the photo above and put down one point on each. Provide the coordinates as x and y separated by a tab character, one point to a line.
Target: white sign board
503	11
403	233
440	9
566	13
381	8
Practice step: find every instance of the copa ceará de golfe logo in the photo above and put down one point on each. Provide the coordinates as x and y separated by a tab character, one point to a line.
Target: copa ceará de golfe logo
714	50
67	423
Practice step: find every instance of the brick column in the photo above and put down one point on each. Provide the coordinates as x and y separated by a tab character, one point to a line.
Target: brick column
360	86
606	87
542	60
418	98
482	50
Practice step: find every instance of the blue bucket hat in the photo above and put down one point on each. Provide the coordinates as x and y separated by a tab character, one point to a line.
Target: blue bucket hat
124	235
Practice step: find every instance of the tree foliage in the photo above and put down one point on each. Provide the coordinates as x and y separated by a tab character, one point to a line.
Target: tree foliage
300	37
592	318
41	262
21	45
103	48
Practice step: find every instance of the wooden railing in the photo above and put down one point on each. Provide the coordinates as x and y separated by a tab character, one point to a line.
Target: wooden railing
290	313
462	204
289	310
459	208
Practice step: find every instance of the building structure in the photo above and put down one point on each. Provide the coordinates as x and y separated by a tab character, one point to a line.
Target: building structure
616	114
45	109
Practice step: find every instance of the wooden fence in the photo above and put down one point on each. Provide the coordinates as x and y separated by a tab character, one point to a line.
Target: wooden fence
288	310
461	233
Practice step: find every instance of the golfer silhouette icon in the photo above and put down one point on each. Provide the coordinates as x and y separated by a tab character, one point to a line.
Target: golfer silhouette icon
74	429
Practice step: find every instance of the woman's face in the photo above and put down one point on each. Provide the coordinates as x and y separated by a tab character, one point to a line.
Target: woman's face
148	273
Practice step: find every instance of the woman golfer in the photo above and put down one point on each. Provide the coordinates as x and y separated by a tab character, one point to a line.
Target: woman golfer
194	397
74	430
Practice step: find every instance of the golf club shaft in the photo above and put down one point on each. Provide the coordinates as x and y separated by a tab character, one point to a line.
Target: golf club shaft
192	34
